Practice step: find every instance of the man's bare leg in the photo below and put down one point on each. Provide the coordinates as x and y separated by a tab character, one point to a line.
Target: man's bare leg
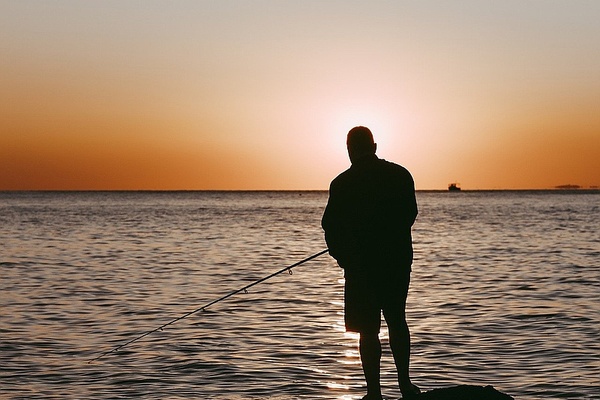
400	345
370	356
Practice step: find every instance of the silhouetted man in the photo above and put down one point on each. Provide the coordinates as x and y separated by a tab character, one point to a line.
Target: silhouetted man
367	225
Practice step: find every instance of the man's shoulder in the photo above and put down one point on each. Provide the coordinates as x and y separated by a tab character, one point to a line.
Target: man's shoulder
390	164
393	167
380	167
342	177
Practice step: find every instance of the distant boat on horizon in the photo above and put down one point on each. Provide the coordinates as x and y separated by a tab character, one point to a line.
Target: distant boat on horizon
567	187
454	187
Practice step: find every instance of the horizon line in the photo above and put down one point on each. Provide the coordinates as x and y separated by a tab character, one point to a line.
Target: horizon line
557	189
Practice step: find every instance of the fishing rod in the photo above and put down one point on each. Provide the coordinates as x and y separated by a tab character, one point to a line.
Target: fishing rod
204	307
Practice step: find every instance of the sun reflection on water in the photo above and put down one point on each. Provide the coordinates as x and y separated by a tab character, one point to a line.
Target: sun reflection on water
336	385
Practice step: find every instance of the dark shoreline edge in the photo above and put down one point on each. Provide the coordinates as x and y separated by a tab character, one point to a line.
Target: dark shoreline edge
464	392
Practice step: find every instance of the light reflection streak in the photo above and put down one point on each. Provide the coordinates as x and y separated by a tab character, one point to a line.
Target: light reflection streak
348	362
351	335
339	327
336	385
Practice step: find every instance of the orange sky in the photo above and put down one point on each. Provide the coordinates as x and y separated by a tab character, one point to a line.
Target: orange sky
260	95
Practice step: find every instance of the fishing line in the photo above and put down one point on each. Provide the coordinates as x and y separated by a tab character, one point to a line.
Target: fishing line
204	307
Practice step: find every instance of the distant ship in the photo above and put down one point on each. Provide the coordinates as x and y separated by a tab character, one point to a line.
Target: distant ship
567	187
453	187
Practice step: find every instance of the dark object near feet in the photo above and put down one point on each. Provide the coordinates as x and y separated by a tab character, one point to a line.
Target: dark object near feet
463	392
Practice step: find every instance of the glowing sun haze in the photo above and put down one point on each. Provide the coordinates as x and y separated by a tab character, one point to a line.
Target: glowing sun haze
260	94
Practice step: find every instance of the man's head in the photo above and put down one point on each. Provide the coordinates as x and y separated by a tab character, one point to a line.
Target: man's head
360	143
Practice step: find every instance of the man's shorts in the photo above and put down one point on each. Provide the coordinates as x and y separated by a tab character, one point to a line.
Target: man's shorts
366	296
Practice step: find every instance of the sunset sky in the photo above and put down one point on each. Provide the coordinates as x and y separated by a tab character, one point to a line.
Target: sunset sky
260	94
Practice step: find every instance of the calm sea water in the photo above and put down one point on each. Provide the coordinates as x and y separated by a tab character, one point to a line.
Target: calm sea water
505	291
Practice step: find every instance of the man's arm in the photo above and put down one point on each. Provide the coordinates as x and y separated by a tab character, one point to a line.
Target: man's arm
338	236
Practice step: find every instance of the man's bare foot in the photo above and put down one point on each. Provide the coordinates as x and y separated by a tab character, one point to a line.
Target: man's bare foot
409	391
372	397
